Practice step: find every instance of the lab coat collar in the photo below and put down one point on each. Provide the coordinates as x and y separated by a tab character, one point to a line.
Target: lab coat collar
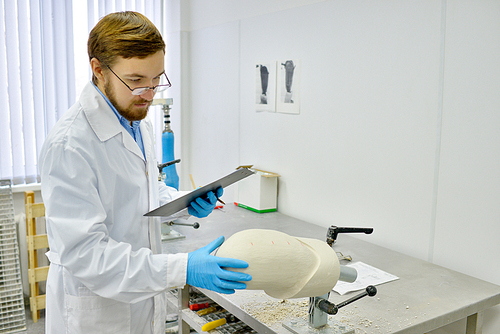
103	120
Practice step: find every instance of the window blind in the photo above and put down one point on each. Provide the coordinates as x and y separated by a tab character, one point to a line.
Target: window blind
36	85
40	43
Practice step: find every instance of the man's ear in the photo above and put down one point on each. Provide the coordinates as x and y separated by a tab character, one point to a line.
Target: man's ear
97	69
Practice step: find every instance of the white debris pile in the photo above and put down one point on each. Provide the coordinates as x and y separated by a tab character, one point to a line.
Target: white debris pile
363	325
270	312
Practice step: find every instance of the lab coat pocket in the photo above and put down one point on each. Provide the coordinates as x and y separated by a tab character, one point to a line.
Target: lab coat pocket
95	314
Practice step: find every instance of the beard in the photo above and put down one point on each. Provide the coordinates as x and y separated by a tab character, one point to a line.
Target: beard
130	113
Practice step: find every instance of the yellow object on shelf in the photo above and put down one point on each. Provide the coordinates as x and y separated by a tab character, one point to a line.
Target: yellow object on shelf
219	322
213	324
207	310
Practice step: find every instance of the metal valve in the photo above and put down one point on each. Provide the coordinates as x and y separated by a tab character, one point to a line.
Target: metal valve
166	164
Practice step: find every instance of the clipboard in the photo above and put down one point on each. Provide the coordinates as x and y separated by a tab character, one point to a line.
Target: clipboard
183	202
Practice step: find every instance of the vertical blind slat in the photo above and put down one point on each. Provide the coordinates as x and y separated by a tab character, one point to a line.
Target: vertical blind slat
50	107
59	52
109	6
5	143
14	91
101	5
119	6
70	54
26	92
90	14
129	4
157	14
139	6
148	10
36	73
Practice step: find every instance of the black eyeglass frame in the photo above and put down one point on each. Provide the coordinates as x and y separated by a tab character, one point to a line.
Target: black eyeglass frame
142	90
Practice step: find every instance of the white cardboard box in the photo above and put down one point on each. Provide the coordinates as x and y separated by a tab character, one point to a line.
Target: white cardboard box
259	192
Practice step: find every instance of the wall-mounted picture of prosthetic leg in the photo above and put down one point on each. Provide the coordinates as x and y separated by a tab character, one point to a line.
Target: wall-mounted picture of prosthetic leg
265	86
288	84
264	81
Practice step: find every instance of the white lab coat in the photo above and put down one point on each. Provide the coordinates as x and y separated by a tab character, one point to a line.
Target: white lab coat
107	273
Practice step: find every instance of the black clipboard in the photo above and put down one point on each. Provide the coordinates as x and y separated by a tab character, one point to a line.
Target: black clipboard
183	202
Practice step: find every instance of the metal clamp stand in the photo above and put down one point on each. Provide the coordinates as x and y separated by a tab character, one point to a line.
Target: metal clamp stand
166	232
327	307
319	309
194	225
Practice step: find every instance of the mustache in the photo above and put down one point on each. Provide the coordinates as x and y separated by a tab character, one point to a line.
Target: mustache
140	101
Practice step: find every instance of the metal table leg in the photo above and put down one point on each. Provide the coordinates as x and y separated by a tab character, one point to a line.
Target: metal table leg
475	323
183	298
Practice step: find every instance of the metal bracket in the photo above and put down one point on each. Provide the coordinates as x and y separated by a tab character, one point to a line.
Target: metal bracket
301	326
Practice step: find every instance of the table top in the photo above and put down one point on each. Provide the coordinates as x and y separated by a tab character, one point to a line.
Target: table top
425	296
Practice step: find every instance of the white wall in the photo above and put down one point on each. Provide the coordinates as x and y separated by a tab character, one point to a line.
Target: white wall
468	205
214	82
399	118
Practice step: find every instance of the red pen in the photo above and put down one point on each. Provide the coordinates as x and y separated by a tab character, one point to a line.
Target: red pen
199	306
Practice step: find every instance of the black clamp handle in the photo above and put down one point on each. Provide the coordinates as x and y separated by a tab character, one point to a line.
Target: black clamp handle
333	232
330	308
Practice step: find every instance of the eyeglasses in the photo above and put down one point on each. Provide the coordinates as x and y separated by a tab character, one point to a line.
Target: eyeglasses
143	90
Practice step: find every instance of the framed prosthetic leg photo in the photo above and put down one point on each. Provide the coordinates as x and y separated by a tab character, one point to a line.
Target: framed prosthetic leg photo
288	86
265	86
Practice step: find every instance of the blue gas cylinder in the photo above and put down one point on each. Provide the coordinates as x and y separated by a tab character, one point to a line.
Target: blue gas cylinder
169	172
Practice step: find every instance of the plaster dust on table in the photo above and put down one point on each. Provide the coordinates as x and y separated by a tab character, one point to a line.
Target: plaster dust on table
273	312
270	312
375	325
361	324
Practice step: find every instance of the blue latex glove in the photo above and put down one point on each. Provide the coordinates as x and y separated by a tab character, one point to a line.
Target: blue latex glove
207	271
201	207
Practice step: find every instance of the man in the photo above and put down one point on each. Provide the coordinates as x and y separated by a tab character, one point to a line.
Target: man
99	177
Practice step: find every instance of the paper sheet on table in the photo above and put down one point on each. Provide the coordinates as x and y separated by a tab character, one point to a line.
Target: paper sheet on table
367	275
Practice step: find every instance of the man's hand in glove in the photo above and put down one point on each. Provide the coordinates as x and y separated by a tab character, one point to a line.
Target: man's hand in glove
201	207
208	271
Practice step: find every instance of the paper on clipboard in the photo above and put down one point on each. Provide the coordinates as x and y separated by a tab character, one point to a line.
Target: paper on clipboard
183	202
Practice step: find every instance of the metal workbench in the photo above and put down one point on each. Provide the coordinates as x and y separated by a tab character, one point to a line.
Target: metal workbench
424	298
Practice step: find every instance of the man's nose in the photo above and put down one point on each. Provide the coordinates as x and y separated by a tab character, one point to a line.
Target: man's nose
148	95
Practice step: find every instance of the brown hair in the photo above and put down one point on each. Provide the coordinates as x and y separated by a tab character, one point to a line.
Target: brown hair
123	34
